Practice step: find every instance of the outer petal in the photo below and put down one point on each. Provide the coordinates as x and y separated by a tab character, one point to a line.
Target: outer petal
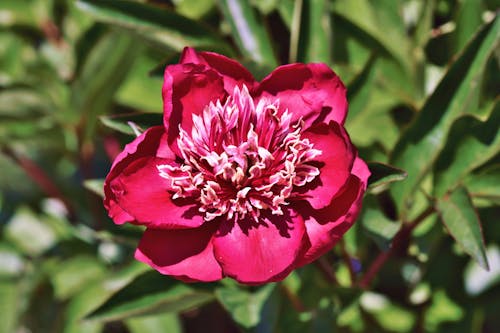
312	92
326	226
232	72
261	253
141	192
187	89
147	144
335	162
186	254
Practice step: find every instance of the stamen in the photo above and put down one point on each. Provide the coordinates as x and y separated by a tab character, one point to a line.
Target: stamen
241	158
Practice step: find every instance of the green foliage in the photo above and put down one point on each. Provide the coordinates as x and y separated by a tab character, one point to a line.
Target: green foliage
79	79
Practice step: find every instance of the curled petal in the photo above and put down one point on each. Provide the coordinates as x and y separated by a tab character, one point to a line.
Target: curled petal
231	71
143	194
149	143
258	253
312	92
186	254
335	163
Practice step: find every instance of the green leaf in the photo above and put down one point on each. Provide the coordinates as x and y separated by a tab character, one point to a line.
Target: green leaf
150	293
380	228
10	294
382	175
244	306
122	123
470	144
168	322
249	31
485	185
155	25
456	95
468	19
315	40
102	73
462	222
29	233
95	185
70	276
96	293
365	19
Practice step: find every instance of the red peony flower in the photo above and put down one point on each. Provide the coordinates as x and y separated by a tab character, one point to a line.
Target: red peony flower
244	179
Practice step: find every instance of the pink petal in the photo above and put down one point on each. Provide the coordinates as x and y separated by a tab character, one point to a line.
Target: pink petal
335	162
187	90
232	72
312	92
186	254
360	170
147	144
326	226
261	253
141	192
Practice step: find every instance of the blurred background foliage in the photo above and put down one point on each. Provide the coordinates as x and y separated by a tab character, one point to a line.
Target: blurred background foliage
423	83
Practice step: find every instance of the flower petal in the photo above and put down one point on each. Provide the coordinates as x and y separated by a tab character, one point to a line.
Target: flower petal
326	226
232	72
149	143
143	193
335	162
312	92
187	90
186	254
260	253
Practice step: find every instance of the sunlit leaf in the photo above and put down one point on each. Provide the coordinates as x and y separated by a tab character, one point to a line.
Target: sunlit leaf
462	222
150	293
382	175
156	25
456	95
244	306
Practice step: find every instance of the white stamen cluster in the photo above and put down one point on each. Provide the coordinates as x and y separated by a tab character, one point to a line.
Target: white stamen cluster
241	158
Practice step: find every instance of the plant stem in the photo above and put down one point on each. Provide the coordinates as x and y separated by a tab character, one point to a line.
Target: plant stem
326	269
400	240
348	261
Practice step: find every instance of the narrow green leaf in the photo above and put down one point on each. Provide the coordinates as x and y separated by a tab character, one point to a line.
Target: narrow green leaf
365	17
315	40
468	19
95	185
462	222
150	293
456	95
156	25
121	123
244	306
96	293
249	31
470	144
382	175
105	68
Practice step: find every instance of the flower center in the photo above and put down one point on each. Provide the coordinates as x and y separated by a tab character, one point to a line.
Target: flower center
241	158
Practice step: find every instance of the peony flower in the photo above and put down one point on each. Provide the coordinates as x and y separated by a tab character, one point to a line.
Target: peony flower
244	179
